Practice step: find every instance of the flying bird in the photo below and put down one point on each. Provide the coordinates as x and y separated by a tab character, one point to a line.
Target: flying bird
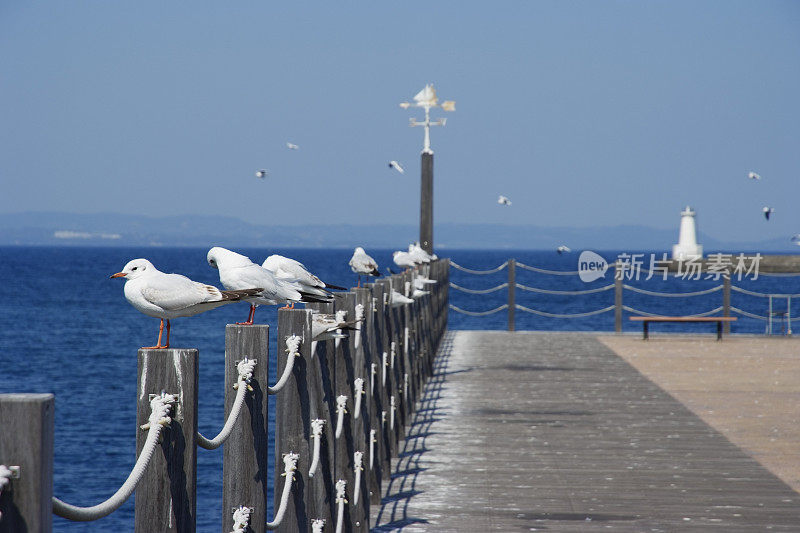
292	146
767	211
361	263
397	166
168	296
753	176
563	249
261	173
237	272
288	269
502	200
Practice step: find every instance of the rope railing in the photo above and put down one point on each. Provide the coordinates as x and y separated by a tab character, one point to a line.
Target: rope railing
645	313
289	466
570	293
545	271
478	291
561	315
160	407
358	392
293	349
478	313
245	368
340	501
479	272
241	519
763	294
358	466
672	294
759	317
341	409
316	434
6	473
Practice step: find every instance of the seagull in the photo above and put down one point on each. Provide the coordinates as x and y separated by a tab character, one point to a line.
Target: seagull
767	212
397	166
261	173
418	255
753	176
502	200
236	272
324	326
292	146
396	299
561	249
290	270
361	263
420	282
403	259
168	296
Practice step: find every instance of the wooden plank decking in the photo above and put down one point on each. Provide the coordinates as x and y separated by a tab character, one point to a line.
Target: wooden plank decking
554	432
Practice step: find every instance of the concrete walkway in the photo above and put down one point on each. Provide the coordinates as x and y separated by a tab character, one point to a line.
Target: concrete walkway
556	432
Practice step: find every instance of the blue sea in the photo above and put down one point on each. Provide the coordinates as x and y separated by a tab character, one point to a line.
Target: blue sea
66	328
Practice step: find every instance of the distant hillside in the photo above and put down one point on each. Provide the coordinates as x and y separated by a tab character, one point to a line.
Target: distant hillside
107	229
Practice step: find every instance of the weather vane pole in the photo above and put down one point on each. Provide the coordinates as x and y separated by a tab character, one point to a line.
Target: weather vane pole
426	99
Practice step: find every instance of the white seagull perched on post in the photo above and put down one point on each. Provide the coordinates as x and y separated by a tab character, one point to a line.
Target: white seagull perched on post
502	200
288	269
418	255
292	146
753	176
168	296
361	263
397	166
237	271
262	173
403	259
767	211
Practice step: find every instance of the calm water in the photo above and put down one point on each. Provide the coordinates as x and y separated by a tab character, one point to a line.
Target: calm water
66	328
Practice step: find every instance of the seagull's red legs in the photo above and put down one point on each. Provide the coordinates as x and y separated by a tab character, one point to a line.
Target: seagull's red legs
158	344
249	317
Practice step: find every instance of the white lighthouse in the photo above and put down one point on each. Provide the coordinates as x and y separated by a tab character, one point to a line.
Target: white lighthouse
687	247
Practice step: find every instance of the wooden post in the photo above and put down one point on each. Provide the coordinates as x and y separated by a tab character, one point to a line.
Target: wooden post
27	423
726	301
618	275
244	469
165	497
383	389
294	410
512	285
361	365
426	203
374	356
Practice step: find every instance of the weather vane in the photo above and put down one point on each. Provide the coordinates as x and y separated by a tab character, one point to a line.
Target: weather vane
426	99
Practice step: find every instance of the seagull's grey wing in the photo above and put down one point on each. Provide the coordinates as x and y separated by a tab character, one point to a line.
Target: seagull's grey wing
174	292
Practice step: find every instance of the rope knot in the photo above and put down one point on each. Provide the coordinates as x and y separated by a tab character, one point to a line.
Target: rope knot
341	315
160	407
245	369
293	345
317	525
359	383
241	519
290	464
316	427
341	404
340	495
359	312
358	460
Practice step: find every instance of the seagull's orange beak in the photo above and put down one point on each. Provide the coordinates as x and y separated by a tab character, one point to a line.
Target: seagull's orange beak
118	275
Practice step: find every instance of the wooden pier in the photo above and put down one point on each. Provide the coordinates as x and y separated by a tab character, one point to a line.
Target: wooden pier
555	432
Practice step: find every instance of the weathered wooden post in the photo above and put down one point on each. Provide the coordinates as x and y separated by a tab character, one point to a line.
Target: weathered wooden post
295	407
165	497
244	469
426	202
373	360
618	275
359	348
512	286
383	377
726	301
27	423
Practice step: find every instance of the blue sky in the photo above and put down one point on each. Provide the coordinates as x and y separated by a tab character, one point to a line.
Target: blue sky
583	113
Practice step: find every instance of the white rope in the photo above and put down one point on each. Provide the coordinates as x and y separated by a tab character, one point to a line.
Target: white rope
241	519
372	441
645	313
556	315
392	355
358	466
289	466
316	434
385	364
672	294
358	391
478	291
391	409
340	501
545	271
359	321
405	385
383	418
6	473
571	293
317	525
405	340
478	313
293	349
492	271
160	407
763	294
245	368
341	409
750	315
341	316
373	371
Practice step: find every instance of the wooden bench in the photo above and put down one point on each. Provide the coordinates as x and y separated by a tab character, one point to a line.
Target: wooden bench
718	319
